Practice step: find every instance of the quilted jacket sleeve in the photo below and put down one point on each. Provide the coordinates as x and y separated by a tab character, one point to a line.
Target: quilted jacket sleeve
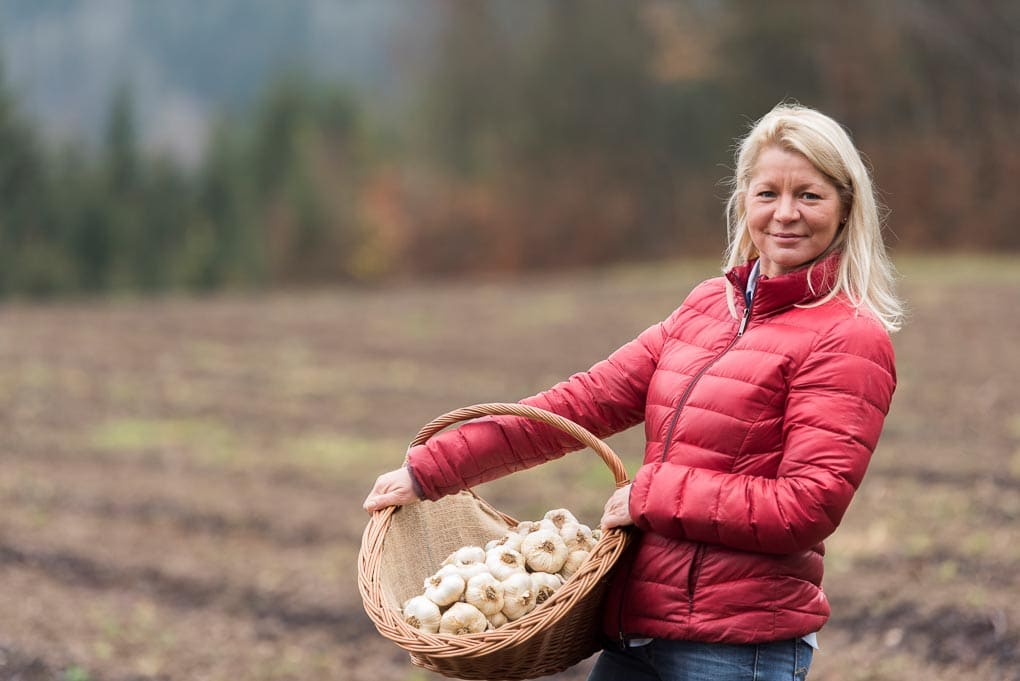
606	399
835	408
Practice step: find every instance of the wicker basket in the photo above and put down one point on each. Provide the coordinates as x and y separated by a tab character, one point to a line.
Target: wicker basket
401	547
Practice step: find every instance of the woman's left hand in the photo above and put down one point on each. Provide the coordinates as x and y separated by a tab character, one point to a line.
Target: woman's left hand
391	489
617	511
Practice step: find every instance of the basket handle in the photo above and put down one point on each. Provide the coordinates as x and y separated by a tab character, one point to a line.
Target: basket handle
514	409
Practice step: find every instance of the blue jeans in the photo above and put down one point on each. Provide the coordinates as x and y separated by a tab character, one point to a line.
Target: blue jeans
663	660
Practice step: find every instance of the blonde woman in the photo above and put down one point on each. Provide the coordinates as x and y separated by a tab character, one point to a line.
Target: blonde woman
763	396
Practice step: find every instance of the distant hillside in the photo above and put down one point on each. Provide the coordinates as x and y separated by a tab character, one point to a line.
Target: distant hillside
186	59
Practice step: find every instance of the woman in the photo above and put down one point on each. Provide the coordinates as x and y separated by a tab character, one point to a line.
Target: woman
763	396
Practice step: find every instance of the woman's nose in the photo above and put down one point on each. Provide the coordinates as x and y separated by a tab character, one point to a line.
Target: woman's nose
786	209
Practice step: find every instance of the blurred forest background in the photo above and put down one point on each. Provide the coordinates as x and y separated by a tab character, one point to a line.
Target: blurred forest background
248	247
196	145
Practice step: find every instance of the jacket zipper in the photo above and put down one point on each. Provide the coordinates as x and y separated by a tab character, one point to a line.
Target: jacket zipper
697	377
692	574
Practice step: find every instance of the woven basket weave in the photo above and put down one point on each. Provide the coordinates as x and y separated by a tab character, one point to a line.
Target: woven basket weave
402	547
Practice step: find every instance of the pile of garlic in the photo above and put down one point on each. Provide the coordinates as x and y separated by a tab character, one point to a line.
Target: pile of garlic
479	589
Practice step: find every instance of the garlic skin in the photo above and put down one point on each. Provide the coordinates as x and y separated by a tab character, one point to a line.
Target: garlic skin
544	551
560	517
462	618
503	562
518	599
573	562
544	585
485	592
422	614
577	536
444	589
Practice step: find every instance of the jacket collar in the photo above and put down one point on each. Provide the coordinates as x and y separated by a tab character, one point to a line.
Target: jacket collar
801	286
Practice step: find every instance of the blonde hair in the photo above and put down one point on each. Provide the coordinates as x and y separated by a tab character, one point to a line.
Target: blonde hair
865	275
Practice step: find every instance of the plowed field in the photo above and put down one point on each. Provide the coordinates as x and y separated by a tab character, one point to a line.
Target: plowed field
181	479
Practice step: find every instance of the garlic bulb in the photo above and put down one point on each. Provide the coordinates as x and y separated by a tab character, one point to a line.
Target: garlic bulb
544	551
503	562
496	620
526	527
462	618
446	569
548	525
444	589
518	599
560	517
511	540
577	536
422	614
471	570
466	556
573	562
485	592
544	585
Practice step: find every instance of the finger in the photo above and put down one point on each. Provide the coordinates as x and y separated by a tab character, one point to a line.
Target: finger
380	490
374	502
390	496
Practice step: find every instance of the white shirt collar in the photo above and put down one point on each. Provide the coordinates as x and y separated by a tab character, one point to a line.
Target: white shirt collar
752	281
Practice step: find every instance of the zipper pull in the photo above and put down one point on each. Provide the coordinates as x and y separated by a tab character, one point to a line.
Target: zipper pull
743	321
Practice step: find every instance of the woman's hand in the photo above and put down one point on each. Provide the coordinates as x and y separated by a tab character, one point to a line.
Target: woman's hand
617	511
391	489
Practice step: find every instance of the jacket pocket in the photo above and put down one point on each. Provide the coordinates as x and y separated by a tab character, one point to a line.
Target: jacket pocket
692	574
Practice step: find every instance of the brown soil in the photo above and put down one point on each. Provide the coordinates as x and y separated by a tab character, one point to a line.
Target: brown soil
180	480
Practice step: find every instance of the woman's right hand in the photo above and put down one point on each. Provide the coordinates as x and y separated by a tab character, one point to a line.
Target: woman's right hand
391	489
617	511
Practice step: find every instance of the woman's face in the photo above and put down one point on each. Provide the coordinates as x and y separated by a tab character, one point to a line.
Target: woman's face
793	211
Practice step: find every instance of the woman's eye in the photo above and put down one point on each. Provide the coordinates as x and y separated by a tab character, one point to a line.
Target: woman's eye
811	196
766	194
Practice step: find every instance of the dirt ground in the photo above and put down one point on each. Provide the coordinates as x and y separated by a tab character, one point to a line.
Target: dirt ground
180	480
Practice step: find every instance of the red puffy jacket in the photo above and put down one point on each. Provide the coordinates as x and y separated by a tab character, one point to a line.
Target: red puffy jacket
758	429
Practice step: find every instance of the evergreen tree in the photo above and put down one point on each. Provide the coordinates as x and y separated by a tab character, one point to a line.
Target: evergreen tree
25	251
